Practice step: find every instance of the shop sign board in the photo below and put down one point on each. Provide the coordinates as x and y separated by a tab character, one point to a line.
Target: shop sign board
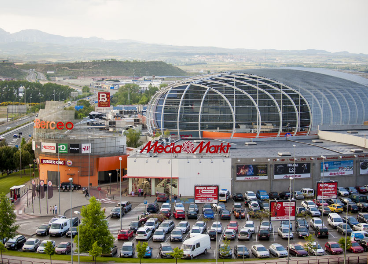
52	162
48	147
74	148
251	172
63	148
103	99
281	210
206	193
187	147
337	168
326	190
285	171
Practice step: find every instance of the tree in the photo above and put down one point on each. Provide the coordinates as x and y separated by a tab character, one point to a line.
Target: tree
311	244
177	254
167	133
95	251
49	249
2	248
342	243
85	89
133	137
94	228
8	227
141	250
225	249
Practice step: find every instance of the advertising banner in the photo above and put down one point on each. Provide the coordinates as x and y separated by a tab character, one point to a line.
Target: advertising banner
86	148
74	148
285	171
103	99
206	193
48	147
52	162
363	167
326	190
280	210
337	168
63	148
251	172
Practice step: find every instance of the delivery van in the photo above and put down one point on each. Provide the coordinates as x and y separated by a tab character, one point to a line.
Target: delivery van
59	227
195	246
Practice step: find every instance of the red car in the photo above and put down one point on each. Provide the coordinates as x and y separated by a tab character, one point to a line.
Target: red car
180	214
233	225
361	189
333	248
356	248
162	197
125	234
239	214
319	202
166	212
63	248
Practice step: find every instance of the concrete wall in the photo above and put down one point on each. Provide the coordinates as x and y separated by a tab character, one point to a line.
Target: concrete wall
350	139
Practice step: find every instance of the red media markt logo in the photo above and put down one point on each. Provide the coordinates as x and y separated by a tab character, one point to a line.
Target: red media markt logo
188	147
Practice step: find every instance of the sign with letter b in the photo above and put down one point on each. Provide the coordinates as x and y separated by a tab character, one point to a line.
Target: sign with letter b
103	99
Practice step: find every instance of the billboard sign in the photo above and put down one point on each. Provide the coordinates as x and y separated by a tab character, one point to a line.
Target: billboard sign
363	166
48	147
74	148
62	148
251	172
337	168
103	99
206	193
285	171
52	162
86	148
326	190
280	210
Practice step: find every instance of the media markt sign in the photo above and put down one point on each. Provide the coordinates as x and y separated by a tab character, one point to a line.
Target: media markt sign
187	147
63	148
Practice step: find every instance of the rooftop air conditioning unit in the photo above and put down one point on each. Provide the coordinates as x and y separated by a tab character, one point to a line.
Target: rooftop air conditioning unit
250	143
284	154
356	150
317	141
352	132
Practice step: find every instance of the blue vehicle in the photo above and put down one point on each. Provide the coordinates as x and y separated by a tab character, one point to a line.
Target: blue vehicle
148	253
209	214
262	195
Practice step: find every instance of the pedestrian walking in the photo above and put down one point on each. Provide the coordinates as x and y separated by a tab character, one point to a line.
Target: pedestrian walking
55	209
139	192
247	217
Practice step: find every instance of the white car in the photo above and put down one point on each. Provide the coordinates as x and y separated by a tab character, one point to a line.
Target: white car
202	225
195	231
249	195
307	204
278	250
283	232
250	226
159	235
229	234
342	191
166	206
179	206
266	225
360	227
254	205
217	226
314	222
41	248
259	251
315	249
183	226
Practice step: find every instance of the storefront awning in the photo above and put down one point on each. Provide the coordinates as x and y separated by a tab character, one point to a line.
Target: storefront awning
150	177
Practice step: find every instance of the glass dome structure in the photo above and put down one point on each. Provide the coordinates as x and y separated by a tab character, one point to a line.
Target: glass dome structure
250	105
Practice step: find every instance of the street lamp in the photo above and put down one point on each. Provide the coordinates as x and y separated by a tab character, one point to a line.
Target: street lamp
110	182
20	153
121	219
323	185
71	221
78	213
291	193
290	207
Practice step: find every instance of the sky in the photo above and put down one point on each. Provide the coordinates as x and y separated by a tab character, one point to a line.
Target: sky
331	25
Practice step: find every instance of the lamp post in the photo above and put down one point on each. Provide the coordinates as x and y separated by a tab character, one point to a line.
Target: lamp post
71	221
290	207
89	162
292	193
110	182
59	177
346	230
323	185
78	213
121	219
20	154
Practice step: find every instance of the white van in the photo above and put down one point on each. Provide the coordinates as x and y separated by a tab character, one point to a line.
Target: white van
334	219
195	246
59	227
307	192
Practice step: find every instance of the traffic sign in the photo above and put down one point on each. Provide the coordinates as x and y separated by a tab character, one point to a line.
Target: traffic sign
99	188
145	202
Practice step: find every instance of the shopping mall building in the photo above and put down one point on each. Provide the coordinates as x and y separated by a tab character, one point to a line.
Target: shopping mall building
256	130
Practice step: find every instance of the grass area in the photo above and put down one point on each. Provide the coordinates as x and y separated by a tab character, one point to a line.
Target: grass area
108	259
16	178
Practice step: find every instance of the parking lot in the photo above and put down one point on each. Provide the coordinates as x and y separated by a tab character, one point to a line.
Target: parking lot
139	207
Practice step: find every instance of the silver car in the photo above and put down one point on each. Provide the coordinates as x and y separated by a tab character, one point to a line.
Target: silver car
217	226
176	235
127	251
31	244
283	232
278	250
159	235
167	225
229	234
183	226
259	251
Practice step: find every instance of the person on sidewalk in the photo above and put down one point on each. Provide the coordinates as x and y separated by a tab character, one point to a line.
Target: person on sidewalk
55	209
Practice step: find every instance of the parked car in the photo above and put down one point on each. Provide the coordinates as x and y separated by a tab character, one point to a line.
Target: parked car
263	234
143	233
127	250
334	201
193	206
351	207
233	225
113	252
126	205
225	215
195	231
134	225
250	226
355	247
301	222
342	191
65	186
333	248
43	230
225	251
202	225
206	206
229	234
179	214
315	249
278	251
115	212
321	231
358	235
320	202
239	214
360	227
362	217
236	207
244	234
217	226
262	195
165	250
153	208
324	210
41	247
63	248
302	232
31	244
176	235
167	225
308	204
165	212
344	228
351	190
16	242
125	234
284	195
183	226
259	251
351	220
208	214
297	250
313	211
266	225
250	195
298	195
72	233
212	233
152	224
162	197
159	235
273	195
285	232
363	207
192	214
314	222
238	197
241	251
